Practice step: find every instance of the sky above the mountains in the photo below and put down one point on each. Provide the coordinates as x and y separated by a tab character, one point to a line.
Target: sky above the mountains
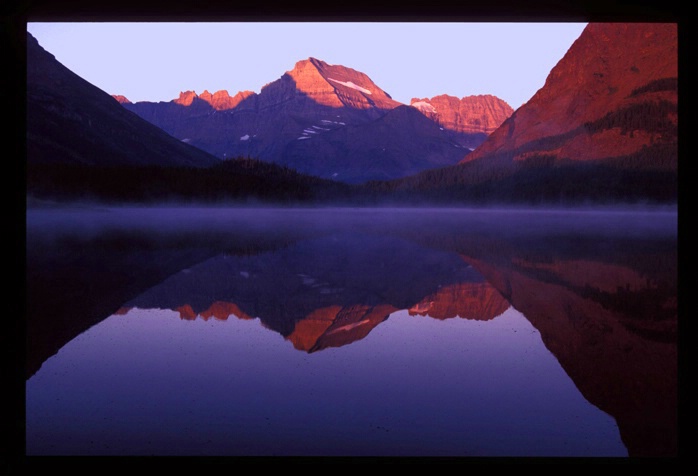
155	61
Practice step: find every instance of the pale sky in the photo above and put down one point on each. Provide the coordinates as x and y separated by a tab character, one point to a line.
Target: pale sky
155	61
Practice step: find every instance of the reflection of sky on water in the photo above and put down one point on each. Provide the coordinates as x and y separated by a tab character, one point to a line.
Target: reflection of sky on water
149	382
598	287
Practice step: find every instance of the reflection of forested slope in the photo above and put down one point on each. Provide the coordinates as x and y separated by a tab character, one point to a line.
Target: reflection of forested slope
601	288
624	363
71	290
612	325
76	279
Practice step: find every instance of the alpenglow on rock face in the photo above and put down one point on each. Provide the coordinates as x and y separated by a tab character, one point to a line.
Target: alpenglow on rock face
220	100
478	115
320	119
469	114
338	86
612	95
603	128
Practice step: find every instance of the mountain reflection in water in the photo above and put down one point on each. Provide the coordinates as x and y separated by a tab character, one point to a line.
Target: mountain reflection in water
323	292
597	288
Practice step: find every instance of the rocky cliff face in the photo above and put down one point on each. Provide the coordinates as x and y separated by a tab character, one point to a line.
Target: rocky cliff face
612	95
220	100
320	119
338	86
472	114
477	301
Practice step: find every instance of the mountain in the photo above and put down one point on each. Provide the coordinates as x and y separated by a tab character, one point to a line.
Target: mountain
604	125
82	144
70	121
613	94
320	119
332	85
473	117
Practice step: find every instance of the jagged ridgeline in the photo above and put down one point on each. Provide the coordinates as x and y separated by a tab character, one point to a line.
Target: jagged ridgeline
330	121
603	128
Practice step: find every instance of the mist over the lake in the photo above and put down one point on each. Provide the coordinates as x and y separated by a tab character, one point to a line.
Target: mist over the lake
598	287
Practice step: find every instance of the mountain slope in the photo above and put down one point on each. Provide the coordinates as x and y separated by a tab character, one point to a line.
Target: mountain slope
613	93
321	119
71	121
603	127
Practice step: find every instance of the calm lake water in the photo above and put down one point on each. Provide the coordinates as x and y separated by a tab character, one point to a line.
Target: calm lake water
351	332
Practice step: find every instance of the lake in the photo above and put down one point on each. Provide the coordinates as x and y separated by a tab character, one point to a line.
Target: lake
351	332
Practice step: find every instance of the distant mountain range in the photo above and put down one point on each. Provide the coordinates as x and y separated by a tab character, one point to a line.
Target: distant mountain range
329	121
81	144
603	128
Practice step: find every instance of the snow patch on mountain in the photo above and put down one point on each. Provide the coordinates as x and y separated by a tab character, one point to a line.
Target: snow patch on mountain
351	85
424	106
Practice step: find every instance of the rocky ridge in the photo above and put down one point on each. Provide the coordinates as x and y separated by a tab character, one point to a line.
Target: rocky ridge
470	114
325	120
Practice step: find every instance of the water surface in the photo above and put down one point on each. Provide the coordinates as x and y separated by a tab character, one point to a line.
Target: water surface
347	332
